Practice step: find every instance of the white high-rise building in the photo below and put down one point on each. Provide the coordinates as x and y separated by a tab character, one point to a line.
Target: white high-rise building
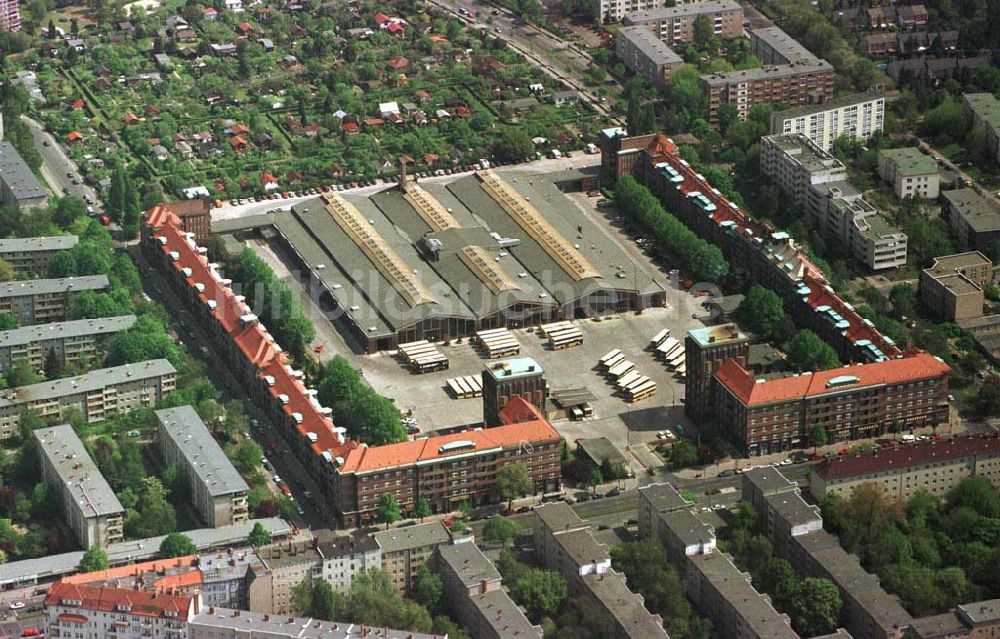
859	116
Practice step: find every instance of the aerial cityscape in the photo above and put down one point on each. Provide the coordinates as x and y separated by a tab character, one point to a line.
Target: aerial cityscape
499	319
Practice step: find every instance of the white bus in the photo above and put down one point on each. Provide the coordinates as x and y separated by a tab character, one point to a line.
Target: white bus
659	337
668	345
641	392
676	360
619	369
603	362
627	379
565	342
456	389
429	363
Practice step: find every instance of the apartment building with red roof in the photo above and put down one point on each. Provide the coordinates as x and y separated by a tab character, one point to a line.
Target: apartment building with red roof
83	611
351	475
756	252
934	466
849	402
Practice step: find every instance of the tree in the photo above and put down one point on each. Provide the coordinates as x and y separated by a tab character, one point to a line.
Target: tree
259	536
7	322
176	544
94	559
52	366
540	591
762	311
904	301
594	478
7	272
815	607
247	456
514	480
499	530
683	453
976	492
817	436
703	30
777	578
513	145
807	352
323	602
388	510
427	588
423	508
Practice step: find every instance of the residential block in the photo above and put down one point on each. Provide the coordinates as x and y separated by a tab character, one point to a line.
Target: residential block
952	287
858	116
675	25
30	256
909	172
47	300
75	344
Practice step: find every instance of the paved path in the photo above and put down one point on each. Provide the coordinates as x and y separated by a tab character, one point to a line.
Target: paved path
56	164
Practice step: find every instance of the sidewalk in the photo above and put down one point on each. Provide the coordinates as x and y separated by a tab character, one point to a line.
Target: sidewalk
712	470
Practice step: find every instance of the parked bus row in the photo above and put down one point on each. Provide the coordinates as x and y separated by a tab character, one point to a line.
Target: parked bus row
497	343
466	386
423	357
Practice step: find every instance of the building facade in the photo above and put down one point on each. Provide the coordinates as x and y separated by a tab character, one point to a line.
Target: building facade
704	351
817	183
94	612
345	556
675	25
473	594
283	566
858	116
89	507
217	490
405	550
614	10
850	402
10	15
75	344
98	394
935	466
792	76
195	216
502	381
952	287
44	301
644	54
974	219
909	172
30	256
983	110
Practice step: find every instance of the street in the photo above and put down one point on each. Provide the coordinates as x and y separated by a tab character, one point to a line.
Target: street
57	168
557	58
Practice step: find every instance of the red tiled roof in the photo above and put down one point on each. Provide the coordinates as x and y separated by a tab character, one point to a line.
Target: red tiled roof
908	455
743	385
381	17
522	424
78	104
131	570
72	618
147	604
256	344
399	62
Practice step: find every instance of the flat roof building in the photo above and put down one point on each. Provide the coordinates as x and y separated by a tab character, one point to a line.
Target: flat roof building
30	256
217	490
405	550
952	286
858	116
89	506
983	109
209	622
644	54
675	25
909	172
655	499
792	405
98	394
704	351
791	75
433	270
974	219
75	344
935	466
817	183
18	184
504	380
473	592
47	300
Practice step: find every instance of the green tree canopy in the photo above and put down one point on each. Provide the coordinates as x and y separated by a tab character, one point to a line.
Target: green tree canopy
815	607
514	480
807	352
500	530
259	536
513	145
387	511
94	559
761	310
176	544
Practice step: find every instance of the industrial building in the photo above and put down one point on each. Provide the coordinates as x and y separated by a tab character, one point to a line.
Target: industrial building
98	394
217	490
434	262
502	381
75	344
88	505
858	116
44	301
30	256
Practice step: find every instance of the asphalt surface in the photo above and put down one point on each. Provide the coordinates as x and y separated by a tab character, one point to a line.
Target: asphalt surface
556	57
57	168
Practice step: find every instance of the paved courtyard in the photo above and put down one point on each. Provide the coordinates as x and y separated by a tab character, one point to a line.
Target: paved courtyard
629	426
